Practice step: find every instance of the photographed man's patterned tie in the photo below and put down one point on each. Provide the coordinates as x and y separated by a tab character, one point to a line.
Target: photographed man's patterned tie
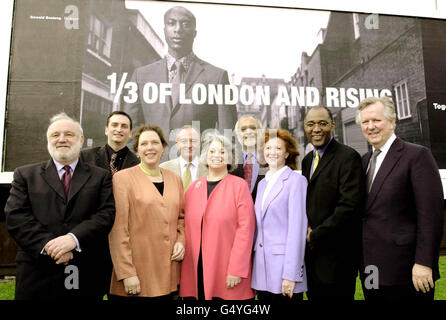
66	179
247	170
371	171
178	67
113	168
187	177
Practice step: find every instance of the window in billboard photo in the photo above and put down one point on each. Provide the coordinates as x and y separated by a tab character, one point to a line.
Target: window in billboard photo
91	57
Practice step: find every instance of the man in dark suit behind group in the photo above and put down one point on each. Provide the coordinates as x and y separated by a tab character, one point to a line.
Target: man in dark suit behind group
114	156
181	66
403	220
335	196
250	135
60	212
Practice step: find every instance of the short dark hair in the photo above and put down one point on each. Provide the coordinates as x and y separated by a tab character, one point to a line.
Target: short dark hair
330	115
290	145
120	113
148	127
187	12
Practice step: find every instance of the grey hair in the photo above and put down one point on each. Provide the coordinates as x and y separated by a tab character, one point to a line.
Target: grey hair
246	116
64	116
227	145
389	107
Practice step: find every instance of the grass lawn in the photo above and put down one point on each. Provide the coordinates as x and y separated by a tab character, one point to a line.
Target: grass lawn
7	288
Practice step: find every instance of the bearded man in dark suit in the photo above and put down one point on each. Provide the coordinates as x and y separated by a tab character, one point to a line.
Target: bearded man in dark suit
403	220
60	213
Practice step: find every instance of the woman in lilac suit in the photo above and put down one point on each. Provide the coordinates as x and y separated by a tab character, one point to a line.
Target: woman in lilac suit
278	264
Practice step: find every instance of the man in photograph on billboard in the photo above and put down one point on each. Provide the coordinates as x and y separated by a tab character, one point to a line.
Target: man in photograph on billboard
113	156
181	66
335	197
60	213
403	219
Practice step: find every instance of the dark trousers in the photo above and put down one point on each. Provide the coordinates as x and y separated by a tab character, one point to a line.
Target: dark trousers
168	297
397	293
343	289
266	296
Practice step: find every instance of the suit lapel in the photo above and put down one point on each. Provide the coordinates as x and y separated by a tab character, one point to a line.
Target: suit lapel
50	175
327	157
194	71
80	177
391	159
101	158
275	190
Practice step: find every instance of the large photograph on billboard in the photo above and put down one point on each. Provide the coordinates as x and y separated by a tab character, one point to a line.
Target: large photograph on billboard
89	58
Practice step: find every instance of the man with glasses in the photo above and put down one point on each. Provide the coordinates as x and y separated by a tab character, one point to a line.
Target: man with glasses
187	165
335	195
250	135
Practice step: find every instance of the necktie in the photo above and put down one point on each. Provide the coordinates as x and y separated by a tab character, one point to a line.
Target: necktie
66	179
247	170
371	171
113	168
176	82
187	177
316	161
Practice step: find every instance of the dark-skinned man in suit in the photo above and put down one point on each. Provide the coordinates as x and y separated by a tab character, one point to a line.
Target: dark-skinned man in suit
335	196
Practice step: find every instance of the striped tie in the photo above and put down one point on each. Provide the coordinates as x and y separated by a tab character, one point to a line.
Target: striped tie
113	168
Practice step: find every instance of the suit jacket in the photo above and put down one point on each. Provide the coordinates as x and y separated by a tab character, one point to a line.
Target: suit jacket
239	172
279	247
335	199
174	165
223	226
168	117
403	220
98	157
38	211
146	228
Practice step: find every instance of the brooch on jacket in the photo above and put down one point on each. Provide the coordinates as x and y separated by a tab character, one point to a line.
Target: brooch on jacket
197	185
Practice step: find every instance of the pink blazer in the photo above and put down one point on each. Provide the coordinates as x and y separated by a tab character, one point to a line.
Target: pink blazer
228	233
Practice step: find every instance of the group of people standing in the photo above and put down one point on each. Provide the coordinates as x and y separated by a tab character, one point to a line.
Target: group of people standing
224	224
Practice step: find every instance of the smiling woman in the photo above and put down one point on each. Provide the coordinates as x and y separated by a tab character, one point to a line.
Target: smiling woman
147	239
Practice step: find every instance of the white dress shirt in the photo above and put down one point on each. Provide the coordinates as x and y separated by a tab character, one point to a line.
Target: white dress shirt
380	158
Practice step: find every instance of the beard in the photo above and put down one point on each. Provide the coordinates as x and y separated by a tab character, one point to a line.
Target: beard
65	155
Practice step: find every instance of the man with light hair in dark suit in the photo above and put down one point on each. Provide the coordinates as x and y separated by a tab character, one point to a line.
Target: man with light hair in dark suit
403	219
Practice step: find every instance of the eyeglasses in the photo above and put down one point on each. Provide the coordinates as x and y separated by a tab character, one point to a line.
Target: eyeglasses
321	124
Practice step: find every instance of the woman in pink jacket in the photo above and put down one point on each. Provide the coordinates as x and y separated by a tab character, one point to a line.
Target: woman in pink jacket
220	224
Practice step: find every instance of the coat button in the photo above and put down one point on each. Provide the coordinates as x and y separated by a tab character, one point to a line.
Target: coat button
260	245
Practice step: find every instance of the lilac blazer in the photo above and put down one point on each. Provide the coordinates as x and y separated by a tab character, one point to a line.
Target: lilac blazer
279	246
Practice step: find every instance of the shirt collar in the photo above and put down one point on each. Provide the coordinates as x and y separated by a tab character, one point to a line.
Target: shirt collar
270	176
186	61
122	152
60	166
245	155
194	162
387	145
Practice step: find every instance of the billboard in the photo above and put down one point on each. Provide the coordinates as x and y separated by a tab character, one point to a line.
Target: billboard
89	58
